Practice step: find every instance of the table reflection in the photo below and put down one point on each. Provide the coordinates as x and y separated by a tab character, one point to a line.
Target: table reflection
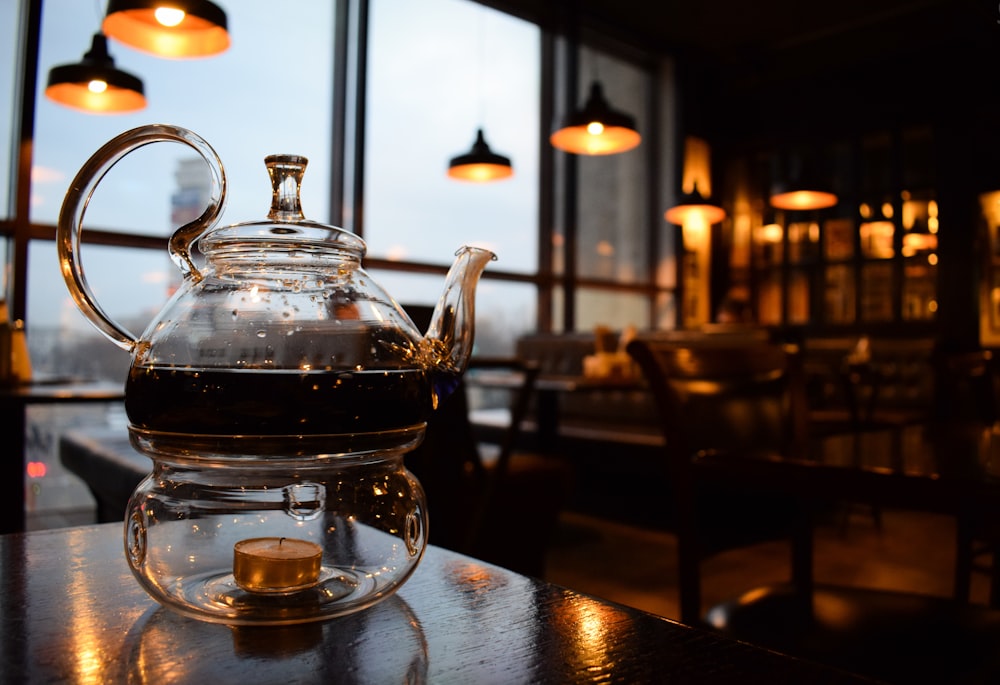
383	644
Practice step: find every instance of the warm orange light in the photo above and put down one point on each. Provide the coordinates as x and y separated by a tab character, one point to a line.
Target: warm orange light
770	233
683	214
876	238
175	29
605	249
595	139
109	101
695	232
918	242
36	469
169	16
694	214
480	164
596	129
94	85
697	174
479	173
803	200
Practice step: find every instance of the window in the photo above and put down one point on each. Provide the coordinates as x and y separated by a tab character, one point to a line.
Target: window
613	244
9	21
247	103
439	70
436	71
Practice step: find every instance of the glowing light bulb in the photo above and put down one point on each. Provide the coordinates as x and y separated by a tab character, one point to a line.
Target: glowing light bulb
595	128
169	16
97	86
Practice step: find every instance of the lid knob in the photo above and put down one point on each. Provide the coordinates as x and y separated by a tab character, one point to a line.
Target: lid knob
286	179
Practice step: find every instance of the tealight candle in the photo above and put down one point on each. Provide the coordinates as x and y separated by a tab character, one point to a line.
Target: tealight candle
276	565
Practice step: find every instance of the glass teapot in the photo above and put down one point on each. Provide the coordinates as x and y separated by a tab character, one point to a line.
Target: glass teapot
276	393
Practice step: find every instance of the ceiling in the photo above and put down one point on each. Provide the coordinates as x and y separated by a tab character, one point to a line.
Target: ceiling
773	68
744	46
727	29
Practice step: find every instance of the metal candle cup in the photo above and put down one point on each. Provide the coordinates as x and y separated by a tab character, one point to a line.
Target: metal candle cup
276	565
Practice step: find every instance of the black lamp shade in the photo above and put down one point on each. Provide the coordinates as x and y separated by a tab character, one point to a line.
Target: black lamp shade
800	186
693	204
481	164
597	129
200	32
94	85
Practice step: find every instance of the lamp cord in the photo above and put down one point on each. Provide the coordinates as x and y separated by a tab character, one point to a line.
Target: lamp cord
481	58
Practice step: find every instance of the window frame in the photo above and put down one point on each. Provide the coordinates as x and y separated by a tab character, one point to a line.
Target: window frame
347	155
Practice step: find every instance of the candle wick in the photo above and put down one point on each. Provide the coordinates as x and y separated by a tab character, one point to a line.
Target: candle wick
280	540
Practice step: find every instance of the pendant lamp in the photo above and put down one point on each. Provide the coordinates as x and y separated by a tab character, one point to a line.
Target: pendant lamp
94	85
481	164
695	213
800	188
692	204
597	129
799	198
168	28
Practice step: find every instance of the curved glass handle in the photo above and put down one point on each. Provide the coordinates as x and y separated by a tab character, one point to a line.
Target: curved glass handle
78	197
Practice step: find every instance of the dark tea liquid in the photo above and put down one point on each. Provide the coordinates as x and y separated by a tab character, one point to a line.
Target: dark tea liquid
278	402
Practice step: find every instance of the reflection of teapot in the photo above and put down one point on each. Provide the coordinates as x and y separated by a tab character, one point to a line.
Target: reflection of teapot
281	360
384	645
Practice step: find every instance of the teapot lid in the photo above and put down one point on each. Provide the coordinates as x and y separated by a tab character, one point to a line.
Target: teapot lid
286	225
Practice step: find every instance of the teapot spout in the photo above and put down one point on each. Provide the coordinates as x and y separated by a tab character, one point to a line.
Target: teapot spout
452	329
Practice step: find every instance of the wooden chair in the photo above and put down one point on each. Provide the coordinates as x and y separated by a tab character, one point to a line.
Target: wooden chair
500	505
965	385
966	391
724	399
724	410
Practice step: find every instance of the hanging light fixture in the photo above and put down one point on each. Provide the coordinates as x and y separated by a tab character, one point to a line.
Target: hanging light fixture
695	215
692	204
597	129
94	85
480	164
168	28
695	212
798	198
800	189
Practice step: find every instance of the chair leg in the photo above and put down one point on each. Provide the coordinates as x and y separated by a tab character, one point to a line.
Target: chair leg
802	560
994	599
689	580
964	552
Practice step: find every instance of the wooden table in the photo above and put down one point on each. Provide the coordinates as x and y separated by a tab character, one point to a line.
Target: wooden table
14	402
948	467
552	390
73	613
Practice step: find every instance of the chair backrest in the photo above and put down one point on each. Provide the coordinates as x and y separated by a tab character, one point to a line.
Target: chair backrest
460	489
718	402
726	397
966	386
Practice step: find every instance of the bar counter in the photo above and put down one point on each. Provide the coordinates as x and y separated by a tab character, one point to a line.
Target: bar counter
72	612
